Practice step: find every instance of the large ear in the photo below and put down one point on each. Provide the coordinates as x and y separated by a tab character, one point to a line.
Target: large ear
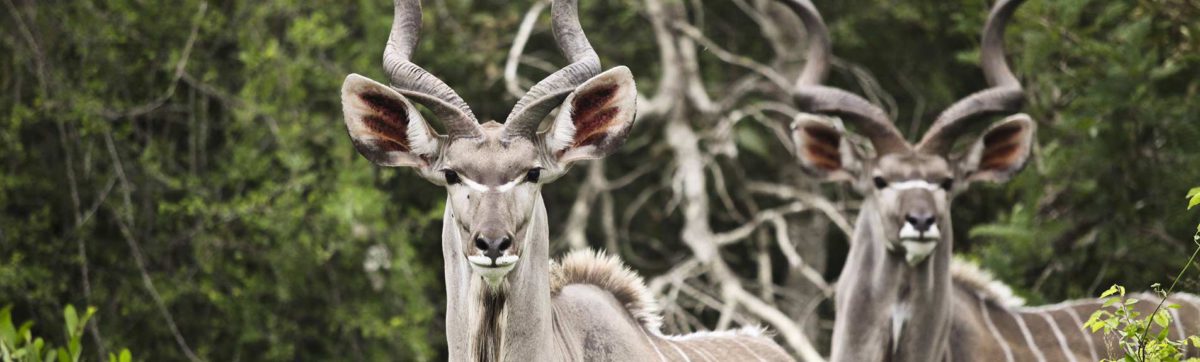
384	126
823	149
1001	151
595	119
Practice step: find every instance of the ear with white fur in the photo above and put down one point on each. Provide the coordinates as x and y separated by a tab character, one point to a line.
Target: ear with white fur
823	149
595	119
384	126
1001	152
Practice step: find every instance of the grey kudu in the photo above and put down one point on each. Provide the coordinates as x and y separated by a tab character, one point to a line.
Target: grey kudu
506	300
900	296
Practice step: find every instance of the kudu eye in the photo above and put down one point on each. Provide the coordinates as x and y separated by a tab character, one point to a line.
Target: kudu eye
534	175
451	177
880	183
947	183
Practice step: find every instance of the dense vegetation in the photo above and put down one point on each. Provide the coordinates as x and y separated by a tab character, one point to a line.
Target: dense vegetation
182	166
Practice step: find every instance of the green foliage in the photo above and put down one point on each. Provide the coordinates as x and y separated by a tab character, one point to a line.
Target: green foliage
236	202
1110	84
1134	331
1134	334
20	345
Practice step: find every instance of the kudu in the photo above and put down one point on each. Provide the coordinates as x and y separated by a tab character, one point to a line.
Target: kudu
505	299
900	296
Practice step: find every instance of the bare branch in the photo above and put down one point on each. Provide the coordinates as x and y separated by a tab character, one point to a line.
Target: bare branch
180	67
728	57
136	249
511	82
742	232
816	201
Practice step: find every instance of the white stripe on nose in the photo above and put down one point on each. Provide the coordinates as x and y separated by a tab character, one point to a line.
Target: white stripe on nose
485	188
913	184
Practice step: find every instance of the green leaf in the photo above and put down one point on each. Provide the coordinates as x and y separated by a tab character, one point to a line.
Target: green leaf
72	319
75	348
1194	197
125	356
1111	290
8	333
38	344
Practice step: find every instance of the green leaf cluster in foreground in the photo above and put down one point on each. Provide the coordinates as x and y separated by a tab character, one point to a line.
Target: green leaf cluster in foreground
18	344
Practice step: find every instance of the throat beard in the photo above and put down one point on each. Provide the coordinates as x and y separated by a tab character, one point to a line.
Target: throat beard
489	336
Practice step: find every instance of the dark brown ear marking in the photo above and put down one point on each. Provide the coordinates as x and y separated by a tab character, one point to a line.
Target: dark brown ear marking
1001	147
821	147
383	130
592	114
389	123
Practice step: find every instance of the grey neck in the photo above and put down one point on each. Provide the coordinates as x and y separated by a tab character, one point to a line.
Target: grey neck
886	307
512	322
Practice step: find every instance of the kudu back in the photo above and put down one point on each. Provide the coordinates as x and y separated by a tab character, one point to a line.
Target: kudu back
901	296
506	300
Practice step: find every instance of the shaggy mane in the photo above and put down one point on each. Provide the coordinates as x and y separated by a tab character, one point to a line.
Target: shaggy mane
609	274
969	275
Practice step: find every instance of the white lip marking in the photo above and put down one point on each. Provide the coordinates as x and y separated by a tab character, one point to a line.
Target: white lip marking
484	261
917	245
909	232
492	275
914	184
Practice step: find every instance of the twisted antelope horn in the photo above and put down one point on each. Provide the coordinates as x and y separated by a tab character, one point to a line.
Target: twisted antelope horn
811	96
415	82
550	92
1004	94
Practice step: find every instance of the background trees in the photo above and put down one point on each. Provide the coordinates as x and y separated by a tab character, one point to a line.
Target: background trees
182	166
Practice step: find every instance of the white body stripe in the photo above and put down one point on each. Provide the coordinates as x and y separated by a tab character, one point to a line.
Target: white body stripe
1028	337
987	319
1058	334
1176	321
1057	306
1087	336
677	350
661	357
698	347
739	343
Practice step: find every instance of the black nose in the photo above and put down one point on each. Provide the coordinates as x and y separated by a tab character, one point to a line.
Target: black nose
921	220
493	247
